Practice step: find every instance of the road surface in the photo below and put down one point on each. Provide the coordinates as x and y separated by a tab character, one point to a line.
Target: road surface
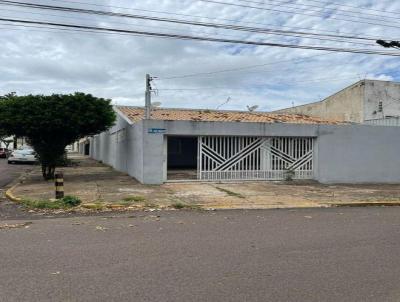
347	254
9	172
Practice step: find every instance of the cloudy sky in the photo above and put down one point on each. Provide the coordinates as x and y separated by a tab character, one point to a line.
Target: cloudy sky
41	60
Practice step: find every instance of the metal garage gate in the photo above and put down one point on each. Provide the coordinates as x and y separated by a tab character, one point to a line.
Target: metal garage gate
254	158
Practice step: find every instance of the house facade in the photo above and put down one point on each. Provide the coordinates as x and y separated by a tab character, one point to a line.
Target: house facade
217	146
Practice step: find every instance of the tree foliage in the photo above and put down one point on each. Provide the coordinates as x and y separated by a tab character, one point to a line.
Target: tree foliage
50	123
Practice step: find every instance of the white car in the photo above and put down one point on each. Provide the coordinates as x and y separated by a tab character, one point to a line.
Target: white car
22	156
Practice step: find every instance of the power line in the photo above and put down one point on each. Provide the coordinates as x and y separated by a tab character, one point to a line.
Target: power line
297	13
194	23
240	88
209	39
52	29
326	37
216	72
124	23
351	6
299	35
323	9
190	75
205	17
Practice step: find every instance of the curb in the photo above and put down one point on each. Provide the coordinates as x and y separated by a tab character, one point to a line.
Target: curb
11	196
366	204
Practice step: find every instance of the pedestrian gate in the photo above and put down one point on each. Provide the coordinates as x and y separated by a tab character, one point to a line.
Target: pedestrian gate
254	158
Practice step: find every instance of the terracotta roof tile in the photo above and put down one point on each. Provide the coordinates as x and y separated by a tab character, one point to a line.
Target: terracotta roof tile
135	114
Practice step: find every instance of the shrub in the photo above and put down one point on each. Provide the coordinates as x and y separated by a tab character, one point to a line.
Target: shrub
71	201
178	205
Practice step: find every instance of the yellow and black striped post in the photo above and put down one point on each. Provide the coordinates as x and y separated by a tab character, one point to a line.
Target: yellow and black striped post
59	185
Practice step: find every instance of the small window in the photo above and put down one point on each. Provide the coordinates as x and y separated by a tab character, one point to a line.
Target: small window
380	106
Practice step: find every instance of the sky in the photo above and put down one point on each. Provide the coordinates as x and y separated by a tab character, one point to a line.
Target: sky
38	60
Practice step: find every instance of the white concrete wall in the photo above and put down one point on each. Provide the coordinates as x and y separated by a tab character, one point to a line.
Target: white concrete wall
358	154
389	121
134	151
121	147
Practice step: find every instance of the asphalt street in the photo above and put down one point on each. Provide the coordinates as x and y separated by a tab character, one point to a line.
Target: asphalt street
7	174
342	254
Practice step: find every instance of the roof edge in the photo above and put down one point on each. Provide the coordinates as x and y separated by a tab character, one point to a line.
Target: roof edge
122	115
210	110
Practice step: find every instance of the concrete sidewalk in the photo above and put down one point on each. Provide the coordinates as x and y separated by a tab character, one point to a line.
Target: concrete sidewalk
94	182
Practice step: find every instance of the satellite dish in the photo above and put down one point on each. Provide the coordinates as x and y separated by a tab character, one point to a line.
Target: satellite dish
252	108
156	104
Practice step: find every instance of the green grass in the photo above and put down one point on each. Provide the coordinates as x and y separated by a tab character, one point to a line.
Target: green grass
125	202
65	203
230	193
134	199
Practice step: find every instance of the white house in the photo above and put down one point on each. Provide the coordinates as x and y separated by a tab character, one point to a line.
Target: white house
209	145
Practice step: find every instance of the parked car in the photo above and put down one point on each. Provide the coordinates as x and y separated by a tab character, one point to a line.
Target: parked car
27	156
4	152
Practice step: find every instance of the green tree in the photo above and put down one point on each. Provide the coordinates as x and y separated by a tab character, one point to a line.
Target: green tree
50	123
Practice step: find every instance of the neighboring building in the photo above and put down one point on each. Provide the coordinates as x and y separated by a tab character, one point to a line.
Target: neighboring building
21	143
361	102
84	146
212	145
9	144
74	147
16	143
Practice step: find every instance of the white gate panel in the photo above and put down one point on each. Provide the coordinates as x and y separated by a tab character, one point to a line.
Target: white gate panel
247	158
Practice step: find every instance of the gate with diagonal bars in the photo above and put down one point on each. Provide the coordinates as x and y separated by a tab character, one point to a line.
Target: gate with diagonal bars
254	158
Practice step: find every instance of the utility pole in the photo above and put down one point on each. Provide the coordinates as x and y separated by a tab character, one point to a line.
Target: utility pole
147	106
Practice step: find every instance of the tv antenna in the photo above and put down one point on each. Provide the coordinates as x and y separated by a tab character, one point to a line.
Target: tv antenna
224	103
252	108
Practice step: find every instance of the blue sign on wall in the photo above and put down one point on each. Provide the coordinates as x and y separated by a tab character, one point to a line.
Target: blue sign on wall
156	130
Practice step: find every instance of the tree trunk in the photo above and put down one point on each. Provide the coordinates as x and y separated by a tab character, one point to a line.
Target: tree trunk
48	172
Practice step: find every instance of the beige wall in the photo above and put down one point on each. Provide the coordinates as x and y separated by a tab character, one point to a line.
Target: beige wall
345	105
388	93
